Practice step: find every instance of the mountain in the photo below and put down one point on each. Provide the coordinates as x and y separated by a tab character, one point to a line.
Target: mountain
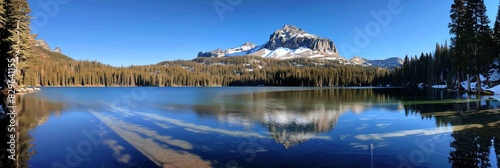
294	38
287	42
389	62
238	51
293	42
359	61
43	44
57	50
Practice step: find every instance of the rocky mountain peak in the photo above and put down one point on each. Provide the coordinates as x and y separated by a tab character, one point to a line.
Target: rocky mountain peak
248	46
294	38
287	42
292	29
42	43
57	50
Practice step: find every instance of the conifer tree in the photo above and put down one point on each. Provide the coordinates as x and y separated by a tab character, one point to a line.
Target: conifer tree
458	44
484	52
15	37
2	14
497	31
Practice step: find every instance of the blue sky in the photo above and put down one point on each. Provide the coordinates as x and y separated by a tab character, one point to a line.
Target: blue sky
131	32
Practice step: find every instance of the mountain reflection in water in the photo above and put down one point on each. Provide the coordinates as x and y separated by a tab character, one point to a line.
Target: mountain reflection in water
318	126
293	117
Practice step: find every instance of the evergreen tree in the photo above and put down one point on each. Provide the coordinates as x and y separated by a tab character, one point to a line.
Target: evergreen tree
497	31
458	44
472	43
484	52
2	15
15	37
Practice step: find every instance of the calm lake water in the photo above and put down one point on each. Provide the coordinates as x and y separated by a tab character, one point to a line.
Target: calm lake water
257	127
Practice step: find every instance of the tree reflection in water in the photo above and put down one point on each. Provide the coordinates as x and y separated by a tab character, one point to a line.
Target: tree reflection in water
475	122
294	117
28	118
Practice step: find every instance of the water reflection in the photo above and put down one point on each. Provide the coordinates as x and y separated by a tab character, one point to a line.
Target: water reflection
476	127
30	113
4	135
210	132
57	139
293	117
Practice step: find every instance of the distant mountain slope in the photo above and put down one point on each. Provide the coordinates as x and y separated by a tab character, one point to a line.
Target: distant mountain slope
238	51
293	42
41	53
389	62
287	42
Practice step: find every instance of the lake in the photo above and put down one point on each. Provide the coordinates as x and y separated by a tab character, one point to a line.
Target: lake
256	127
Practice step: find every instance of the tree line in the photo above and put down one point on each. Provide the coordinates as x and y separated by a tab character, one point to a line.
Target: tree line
55	69
474	49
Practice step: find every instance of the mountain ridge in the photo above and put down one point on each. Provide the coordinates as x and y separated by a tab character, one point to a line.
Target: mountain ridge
388	62
293	42
43	44
287	42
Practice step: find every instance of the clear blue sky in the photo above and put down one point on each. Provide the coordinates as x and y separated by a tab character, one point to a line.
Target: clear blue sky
126	32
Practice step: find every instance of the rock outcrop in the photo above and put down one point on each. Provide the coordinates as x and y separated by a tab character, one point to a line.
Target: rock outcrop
293	38
57	50
285	43
42	43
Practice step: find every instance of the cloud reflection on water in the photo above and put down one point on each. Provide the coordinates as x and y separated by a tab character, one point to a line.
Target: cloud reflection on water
165	151
294	117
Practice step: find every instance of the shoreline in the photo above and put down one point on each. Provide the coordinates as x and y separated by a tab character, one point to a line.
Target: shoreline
345	87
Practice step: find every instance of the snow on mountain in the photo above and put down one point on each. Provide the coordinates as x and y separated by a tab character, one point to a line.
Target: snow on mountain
360	61
389	62
293	42
290	32
294	38
287	42
238	51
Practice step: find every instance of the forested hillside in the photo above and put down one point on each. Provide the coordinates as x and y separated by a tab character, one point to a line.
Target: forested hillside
54	69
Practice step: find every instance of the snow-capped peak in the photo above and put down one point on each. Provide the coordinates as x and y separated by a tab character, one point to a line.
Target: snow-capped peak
289	32
240	51
359	61
389	62
287	42
247	46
